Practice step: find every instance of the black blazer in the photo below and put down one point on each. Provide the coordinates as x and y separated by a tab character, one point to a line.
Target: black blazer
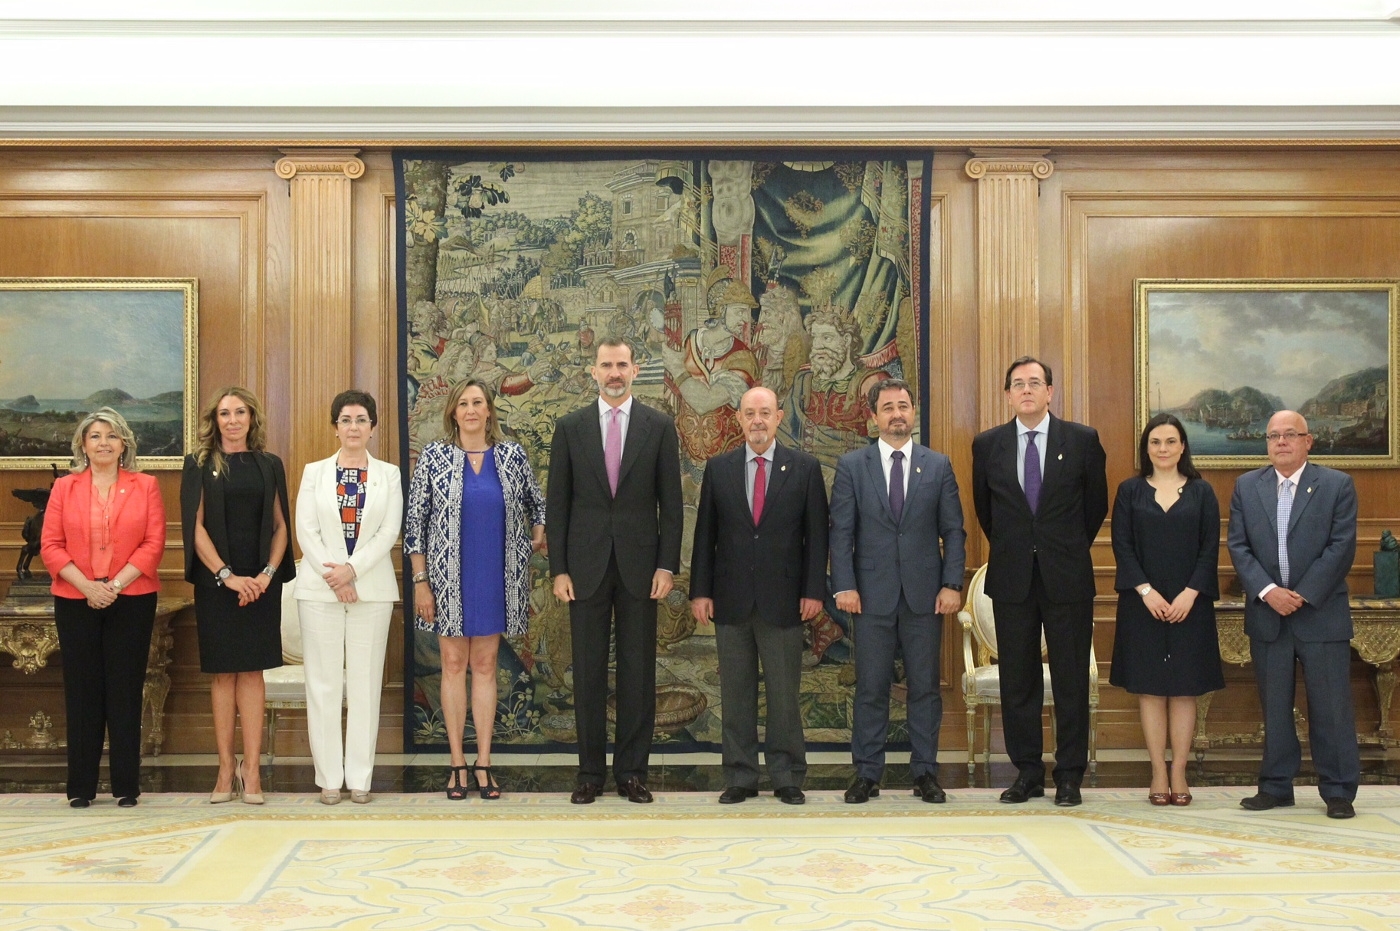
586	525
198	479
769	567
1073	504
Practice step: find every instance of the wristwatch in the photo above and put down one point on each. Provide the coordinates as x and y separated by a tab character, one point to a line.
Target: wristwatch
222	574
117	586
420	576
1144	589
953	588
270	571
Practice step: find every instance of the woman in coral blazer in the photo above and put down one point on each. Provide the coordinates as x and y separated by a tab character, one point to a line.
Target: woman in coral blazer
349	514
104	536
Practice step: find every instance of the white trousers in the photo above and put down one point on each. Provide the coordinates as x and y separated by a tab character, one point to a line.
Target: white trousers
343	643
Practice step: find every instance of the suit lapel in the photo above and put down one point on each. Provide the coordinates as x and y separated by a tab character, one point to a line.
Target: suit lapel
1054	457
374	497
875	471
121	491
592	441
1267	489
777	477
637	431
1302	494
1004	456
919	460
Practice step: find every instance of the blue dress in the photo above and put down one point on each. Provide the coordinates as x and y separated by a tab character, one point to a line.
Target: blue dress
483	550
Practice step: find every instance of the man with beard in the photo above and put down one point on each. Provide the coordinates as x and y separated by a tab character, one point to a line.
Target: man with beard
827	407
710	373
614	526
779	341
759	571
892	505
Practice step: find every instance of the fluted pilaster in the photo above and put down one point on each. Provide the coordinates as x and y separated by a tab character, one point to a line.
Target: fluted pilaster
1008	265
321	332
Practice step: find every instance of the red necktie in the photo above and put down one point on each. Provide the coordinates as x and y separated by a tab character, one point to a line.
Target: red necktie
760	488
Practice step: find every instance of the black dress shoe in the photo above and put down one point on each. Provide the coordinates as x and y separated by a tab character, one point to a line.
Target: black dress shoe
1340	808
77	803
862	790
790	795
736	794
586	793
633	790
126	801
928	789
1023	790
1264	801
1067	794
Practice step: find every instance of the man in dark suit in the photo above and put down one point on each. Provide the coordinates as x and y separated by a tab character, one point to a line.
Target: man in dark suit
758	570
614	530
891	506
1292	540
1041	495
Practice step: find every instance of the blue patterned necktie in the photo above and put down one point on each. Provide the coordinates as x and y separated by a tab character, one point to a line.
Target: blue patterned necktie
896	484
1285	508
1032	477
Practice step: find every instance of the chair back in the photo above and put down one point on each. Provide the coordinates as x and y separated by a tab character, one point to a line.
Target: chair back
984	627
291	626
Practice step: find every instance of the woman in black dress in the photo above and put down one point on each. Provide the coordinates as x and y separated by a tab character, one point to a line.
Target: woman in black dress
233	501
1166	540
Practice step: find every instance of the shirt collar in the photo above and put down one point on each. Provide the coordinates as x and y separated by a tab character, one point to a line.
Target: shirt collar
1043	428
604	407
1279	476
886	450
750	455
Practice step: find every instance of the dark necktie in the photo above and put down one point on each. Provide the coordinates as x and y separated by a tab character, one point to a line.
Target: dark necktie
896	484
760	490
1032	476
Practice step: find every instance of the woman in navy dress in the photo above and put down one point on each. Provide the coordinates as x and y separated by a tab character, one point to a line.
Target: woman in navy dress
475	515
1166	540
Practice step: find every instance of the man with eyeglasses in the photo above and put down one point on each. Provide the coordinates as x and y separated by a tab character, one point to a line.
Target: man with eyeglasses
1041	494
1292	540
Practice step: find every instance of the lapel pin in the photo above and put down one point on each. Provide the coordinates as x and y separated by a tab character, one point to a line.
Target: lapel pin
784	469
1309	490
919	469
1060	456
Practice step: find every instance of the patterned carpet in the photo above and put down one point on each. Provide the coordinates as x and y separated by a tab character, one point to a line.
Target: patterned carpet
533	861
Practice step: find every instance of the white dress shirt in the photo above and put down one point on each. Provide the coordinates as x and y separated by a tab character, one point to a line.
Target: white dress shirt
625	418
1022	433
886	462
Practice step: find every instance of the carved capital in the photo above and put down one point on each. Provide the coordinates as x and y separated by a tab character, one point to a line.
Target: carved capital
1009	162
319	162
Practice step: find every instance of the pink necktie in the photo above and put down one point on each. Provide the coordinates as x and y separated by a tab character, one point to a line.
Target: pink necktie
612	449
760	490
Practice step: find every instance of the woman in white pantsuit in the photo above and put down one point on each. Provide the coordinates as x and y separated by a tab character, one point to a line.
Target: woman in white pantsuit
349	514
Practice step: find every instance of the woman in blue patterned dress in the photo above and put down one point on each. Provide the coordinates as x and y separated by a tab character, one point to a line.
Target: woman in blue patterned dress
475	514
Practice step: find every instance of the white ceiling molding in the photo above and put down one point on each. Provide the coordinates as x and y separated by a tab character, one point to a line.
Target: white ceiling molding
537	69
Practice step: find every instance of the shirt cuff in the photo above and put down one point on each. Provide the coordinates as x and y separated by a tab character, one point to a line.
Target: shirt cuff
1267	588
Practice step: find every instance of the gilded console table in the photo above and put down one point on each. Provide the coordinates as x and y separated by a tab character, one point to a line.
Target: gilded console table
27	633
1377	641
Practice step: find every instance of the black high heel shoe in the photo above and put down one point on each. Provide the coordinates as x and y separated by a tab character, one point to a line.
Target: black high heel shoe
456	788
491	789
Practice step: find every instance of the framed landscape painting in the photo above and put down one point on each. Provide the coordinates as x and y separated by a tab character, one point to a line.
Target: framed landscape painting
71	345
1224	354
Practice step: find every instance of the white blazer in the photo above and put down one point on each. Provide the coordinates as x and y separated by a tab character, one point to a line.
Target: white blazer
322	540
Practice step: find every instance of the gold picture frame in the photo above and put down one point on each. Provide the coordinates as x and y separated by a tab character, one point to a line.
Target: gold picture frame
1223	354
71	345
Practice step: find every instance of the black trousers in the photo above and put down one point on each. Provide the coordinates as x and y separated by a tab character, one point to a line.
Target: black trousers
591	621
104	670
1069	632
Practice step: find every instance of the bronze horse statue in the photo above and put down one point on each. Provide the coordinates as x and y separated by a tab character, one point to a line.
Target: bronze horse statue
33	531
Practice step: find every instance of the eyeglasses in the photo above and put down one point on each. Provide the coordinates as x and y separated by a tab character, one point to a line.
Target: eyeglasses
1035	384
353	422
1290	436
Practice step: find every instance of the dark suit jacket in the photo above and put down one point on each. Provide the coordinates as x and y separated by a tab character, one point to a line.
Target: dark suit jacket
585	524
1073	504
1321	548
769	567
197	480
874	556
